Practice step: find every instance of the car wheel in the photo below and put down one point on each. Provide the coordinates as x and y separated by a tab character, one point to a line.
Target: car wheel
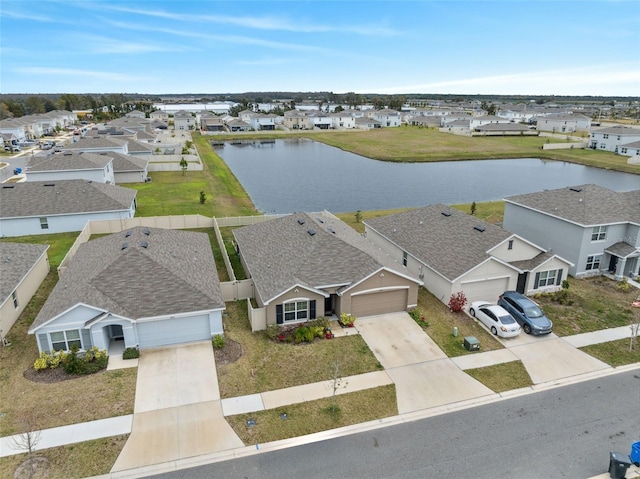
494	330
527	328
472	312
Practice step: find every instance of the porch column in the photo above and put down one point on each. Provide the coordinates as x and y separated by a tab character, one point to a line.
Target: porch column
620	268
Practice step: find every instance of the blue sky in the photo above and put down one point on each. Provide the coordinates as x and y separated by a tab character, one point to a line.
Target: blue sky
390	47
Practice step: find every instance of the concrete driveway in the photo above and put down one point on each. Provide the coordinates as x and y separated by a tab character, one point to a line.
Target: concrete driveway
423	375
177	412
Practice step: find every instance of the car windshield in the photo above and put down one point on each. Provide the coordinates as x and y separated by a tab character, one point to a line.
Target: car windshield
533	312
507	320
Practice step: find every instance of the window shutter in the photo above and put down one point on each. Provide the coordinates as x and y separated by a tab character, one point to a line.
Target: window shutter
312	309
535	283
44	343
279	313
559	279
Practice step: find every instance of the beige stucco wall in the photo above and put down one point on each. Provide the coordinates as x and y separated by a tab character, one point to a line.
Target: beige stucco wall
521	250
295	293
25	291
552	264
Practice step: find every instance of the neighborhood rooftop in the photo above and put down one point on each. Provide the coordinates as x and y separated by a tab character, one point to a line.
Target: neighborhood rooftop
16	259
584	204
68	160
139	273
449	240
42	198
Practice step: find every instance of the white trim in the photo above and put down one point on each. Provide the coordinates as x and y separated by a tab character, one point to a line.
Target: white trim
298	285
382	269
380	290
484	279
177	315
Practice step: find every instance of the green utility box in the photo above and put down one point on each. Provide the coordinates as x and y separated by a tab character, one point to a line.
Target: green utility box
471	343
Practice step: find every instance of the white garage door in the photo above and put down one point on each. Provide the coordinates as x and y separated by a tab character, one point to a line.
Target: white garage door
379	303
488	290
173	331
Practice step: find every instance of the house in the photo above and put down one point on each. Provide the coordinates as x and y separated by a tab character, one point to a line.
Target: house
129	169
99	145
613	137
305	266
452	251
147	287
595	228
503	129
159	115
632	150
482	120
23	268
367	123
183	121
46	207
343	120
135	114
71	165
386	117
563	123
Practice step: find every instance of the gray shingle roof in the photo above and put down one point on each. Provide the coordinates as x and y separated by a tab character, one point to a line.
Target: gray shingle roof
502	127
35	198
585	204
123	163
175	273
16	260
281	253
529	264
619	130
69	160
448	244
93	143
622	249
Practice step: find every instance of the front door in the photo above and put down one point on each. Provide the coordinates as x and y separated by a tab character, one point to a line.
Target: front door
115	331
522	282
612	264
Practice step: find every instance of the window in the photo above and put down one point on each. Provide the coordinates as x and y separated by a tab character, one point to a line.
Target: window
405	256
296	311
599	233
510	244
603	146
547	278
623	151
14	297
605	136
593	262
65	340
44	224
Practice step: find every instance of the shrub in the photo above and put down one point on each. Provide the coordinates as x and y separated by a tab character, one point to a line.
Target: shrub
457	301
273	331
131	353
303	334
417	314
72	364
561	296
565	284
322	322
218	341
623	285
41	362
347	320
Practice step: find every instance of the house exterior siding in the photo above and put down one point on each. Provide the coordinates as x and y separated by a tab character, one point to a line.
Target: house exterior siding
302	294
380	282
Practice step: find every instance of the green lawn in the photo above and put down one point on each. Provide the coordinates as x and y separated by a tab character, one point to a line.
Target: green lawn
615	353
502	377
59	244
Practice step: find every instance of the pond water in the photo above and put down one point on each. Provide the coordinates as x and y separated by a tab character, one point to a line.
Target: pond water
288	175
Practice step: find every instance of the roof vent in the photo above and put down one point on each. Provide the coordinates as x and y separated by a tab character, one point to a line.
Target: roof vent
446	213
67	153
479	228
576	189
146	231
319	220
7	186
311	232
300	221
144	244
124	246
331	230
49	184
127	234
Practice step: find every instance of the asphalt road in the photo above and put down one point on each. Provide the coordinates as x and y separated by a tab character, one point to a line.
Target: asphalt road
566	432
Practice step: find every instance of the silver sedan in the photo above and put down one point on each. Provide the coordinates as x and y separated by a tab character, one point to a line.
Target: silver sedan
496	318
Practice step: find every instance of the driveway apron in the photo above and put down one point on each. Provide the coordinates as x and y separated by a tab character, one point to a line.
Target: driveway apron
423	375
177	412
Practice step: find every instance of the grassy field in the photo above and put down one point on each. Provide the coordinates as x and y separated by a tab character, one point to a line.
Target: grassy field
85	459
174	193
593	304
615	353
502	377
266	365
314	416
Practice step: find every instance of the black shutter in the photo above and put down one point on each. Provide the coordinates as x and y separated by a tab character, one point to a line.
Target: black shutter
279	314
559	279
535	283
312	309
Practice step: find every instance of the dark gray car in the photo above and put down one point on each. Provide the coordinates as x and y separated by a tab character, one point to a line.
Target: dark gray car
527	313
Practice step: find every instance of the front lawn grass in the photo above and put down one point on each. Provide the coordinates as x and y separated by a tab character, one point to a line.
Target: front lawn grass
502	377
85	459
85	398
615	353
313	416
442	321
266	365
593	304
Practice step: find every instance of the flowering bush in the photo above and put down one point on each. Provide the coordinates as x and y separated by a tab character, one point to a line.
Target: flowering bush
91	361
457	302
347	320
50	361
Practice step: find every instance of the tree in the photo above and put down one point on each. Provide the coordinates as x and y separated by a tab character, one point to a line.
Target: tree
184	165
336	382
473	208
203	198
27	440
358	216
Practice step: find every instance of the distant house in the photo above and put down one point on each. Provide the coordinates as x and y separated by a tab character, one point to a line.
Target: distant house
135	114
563	123
386	118
129	169
595	228
305	266
146	287
159	115
632	150
99	145
184	121
452	251
613	138
70	165
42	207
363	123
343	120
503	129
23	267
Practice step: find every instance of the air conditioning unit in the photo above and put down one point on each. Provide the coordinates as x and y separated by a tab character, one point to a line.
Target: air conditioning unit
471	343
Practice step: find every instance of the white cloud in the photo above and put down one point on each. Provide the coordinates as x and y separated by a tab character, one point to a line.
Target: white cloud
102	45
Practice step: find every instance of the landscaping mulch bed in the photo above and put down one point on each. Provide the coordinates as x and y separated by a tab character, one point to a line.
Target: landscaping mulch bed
50	376
230	353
